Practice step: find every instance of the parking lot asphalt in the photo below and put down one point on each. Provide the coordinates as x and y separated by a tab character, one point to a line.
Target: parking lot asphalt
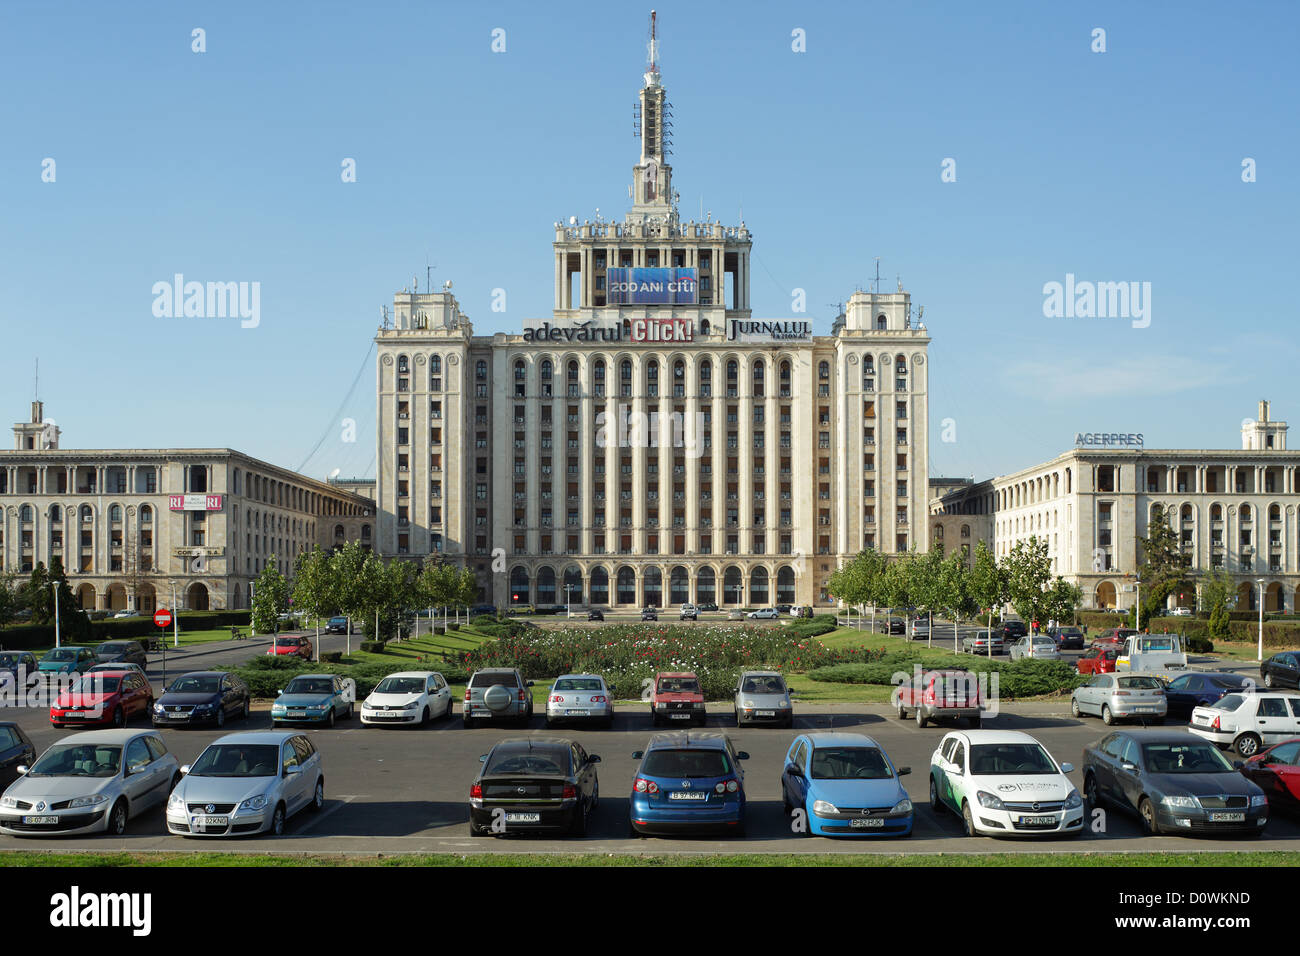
405	790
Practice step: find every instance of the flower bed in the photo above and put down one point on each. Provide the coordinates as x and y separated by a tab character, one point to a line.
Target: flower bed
628	655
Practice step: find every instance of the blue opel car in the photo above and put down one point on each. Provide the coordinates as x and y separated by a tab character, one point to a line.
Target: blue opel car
688	782
846	785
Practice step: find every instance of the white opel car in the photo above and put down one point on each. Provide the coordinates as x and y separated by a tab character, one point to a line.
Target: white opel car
408	697
1003	783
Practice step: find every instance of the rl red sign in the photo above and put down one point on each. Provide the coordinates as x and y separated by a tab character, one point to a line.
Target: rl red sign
194	502
162	617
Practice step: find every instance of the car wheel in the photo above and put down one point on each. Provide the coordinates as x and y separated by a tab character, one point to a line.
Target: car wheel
424	717
119	717
920	717
1090	795
1147	811
902	711
277	820
1268	680
318	798
248	707
465	722
935	803
595	796
118	817
331	720
348	715
1074	708
632	832
968	820
476	831
1107	717
975	722
578	827
1247	745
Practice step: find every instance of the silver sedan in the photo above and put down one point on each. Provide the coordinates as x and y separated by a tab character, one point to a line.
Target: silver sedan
1039	647
1121	696
580	697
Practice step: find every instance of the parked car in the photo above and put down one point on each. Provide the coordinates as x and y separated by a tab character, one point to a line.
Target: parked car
1003	783
202	697
845	784
1281	670
1121	696
1248	721
67	660
1037	647
595	614
247	783
982	642
104	697
1174	783
101	668
94	781
338	625
689	612
920	629
762	697
479	609
1115	635
123	614
649	614
585	698
688	782
940	695
315	698
1013	631
677	697
1195	689
735	615
1068	638
1181	612
16	751
288	646
497	693
121	652
709	606
796	610
15	665
407	697
534	784
764	614
1276	771
1098	659
783	608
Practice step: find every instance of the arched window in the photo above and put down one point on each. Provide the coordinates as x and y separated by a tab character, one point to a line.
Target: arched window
546	370
679	586
882	322
706	587
1274	513
519	593
403	365
731	579
652	378
1245	512
758	587
785	379
679	379
115	513
25	513
435	364
546	585
653	585
626	586
520	371
785	585
823	370
706	378
480	370
571	585
599	586
758	379
86	513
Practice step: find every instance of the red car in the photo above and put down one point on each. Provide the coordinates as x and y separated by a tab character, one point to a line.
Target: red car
1277	772
291	645
1114	635
677	698
104	697
940	695
1098	659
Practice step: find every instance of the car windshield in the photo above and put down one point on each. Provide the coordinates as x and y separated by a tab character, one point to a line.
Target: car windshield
506	679
400	685
1225	681
679	685
578	683
194	685
548	762
1192	757
338	620
97	684
999	759
106	649
763	685
1140	683
288	642
1070	632
62	654
237	760
78	760
310	685
849	763
686	764
1228	702
1044	640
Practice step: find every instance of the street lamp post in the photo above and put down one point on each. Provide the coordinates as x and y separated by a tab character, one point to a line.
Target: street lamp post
55	586
568	601
1137	606
1260	657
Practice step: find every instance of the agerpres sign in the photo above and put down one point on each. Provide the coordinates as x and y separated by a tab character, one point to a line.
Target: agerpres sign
748	330
1107	439
651	286
194	502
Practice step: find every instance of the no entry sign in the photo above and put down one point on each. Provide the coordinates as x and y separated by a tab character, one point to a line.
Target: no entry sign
162	618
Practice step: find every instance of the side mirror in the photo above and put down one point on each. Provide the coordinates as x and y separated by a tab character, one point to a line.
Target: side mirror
529	684
185	769
742	755
1236	765
1067	768
593	758
279	692
904	771
292	769
638	754
22	769
1125	765
482	758
794	770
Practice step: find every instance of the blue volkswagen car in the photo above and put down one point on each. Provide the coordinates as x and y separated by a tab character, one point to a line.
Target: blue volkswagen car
845	784
688	782
314	699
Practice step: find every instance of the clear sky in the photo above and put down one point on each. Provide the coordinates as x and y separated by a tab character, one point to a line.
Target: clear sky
226	166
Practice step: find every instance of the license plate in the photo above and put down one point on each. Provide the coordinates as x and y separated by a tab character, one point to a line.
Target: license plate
1146	710
575	713
865	824
481	713
687	795
173	716
679	716
297	713
523	818
1227	818
1037	821
764	713
205	823
39	821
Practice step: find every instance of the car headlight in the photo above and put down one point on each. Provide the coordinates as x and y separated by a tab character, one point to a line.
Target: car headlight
87	801
989	801
1182	803
1073	801
411	706
822	808
176	801
8	803
254	803
159	709
1259	800
749	705
317	706
277	708
902	806
784	703
661	706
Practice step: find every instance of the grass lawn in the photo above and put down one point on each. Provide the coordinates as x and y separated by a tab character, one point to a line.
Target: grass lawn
1243	652
30	858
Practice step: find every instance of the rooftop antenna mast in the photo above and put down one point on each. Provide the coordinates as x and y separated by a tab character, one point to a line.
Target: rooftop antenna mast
876	287
36	383
654	44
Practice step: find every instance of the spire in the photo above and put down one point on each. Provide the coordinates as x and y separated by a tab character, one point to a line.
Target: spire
652	192
652	74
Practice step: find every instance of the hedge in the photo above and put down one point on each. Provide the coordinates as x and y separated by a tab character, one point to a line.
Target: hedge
1015	679
266	675
1276	634
26	637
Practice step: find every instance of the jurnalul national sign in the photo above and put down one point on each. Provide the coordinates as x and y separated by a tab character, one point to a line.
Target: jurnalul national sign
651	286
767	330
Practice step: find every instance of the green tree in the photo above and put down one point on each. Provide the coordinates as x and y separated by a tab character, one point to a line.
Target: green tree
1063	600
1029	573
11	598
1164	568
860	582
1216	597
925	584
895	583
400	593
270	598
349	581
39	595
313	587
988	585
466	591
955	590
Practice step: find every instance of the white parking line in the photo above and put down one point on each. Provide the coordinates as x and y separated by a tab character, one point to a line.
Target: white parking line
298	831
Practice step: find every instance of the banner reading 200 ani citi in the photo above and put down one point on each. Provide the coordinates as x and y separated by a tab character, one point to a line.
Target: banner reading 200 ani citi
651	286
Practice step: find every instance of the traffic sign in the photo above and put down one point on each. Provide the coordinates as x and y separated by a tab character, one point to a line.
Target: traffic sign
162	617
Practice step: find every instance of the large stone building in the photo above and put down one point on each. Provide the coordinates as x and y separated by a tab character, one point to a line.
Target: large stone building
1232	509
135	526
650	441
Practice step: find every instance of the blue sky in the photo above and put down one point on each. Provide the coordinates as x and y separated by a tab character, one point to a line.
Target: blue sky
225	166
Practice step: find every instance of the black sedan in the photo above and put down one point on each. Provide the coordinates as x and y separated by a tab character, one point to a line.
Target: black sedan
1067	638
121	652
710	606
201	697
14	663
339	625
534	784
16	751
1281	670
1200	689
595	614
1175	783
649	614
